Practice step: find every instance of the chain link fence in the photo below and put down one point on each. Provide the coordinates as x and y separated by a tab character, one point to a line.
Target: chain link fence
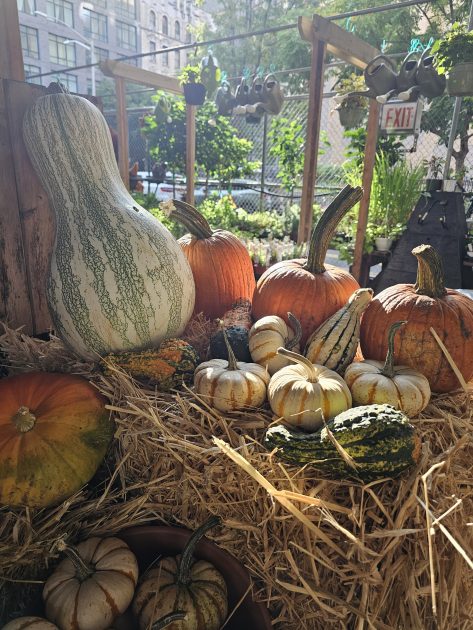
264	191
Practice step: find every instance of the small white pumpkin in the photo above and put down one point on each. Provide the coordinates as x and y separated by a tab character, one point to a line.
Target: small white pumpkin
270	333
231	385
306	395
402	387
25	623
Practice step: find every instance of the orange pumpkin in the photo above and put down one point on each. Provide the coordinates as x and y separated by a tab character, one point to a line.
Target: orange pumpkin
425	304
222	267
54	433
308	289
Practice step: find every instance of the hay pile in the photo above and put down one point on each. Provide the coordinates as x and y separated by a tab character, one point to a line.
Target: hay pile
322	554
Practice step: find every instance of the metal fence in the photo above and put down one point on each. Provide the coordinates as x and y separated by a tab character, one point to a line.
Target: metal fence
264	190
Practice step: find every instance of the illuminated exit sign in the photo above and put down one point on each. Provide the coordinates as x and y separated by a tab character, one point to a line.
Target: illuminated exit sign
401	117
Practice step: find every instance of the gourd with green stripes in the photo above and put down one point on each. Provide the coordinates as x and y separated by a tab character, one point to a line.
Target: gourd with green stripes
378	441
118	279
335	342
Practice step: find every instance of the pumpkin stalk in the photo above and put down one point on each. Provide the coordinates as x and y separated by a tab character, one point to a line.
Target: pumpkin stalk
326	226
430	279
191	219
232	361
297	328
388	368
167	619
83	570
312	376
24	420
183	573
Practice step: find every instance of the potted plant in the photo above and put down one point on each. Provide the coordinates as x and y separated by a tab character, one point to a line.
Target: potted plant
352	104
433	180
194	90
454	57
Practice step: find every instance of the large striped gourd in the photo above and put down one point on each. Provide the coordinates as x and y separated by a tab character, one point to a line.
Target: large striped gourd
335	342
118	279
378	438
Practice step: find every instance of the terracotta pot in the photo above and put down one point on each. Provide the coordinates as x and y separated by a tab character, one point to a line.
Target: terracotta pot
150	542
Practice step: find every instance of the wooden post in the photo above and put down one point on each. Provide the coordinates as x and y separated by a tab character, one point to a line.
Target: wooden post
122	130
190	153
11	56
368	168
316	92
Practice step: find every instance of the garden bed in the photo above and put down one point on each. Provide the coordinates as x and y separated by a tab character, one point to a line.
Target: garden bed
321	553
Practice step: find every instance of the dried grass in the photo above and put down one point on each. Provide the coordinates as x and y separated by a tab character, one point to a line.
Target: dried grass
323	554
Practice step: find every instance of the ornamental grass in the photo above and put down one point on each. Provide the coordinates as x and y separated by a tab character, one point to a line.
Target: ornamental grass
322	554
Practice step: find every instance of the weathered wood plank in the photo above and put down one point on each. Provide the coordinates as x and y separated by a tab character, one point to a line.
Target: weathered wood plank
36	216
11	55
15	308
120	70
190	153
122	130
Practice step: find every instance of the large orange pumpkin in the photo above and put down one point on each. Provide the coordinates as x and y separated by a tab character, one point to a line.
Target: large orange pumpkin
54	433
222	267
425	304
308	289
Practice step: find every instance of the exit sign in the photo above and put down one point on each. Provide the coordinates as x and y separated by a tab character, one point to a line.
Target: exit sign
401	117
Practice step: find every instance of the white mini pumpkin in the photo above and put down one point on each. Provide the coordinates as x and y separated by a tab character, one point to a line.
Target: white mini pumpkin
270	333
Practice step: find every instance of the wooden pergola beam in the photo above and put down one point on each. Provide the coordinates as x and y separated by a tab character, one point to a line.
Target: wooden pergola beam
120	70
325	36
11	55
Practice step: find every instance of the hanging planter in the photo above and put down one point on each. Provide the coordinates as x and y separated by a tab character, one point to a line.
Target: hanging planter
352	104
351	117
194	90
460	79
453	56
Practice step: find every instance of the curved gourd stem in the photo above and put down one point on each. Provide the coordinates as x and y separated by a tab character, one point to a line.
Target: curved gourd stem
168	619
191	219
232	360
430	279
24	420
57	88
312	375
297	328
83	570
183	573
326	226
388	368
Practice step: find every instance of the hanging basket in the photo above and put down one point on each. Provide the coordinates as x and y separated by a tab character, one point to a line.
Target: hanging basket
351	117
194	93
460	79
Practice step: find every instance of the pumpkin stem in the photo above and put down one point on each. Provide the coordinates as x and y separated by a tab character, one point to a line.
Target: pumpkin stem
56	87
83	570
167	619
24	420
388	368
326	226
183	573
191	219
312	375
429	279
232	360
297	328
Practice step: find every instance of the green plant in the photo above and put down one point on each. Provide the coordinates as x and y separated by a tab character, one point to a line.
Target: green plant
455	47
390	146
189	74
434	166
352	83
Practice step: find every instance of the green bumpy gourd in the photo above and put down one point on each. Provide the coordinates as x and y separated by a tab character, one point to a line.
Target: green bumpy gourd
379	439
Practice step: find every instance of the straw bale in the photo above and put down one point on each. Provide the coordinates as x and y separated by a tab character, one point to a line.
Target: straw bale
322	554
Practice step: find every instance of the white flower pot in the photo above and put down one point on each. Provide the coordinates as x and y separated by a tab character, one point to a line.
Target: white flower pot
383	244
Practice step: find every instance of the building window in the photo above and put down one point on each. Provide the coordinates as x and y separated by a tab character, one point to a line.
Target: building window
126	35
165	25
62	11
165	57
125	9
95	25
188	37
177	59
61	53
69	80
29	41
27	6
152	20
152	48
102	4
31	70
177	29
101	54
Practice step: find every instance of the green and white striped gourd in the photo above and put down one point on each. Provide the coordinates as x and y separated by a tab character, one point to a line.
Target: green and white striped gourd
335	342
118	279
